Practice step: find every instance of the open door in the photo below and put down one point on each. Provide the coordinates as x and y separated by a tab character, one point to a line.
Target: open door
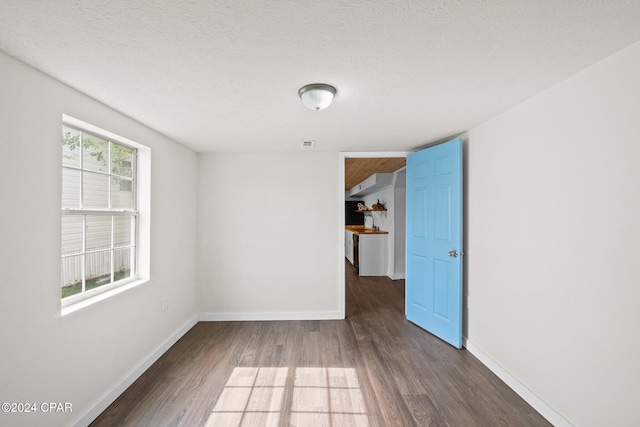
434	240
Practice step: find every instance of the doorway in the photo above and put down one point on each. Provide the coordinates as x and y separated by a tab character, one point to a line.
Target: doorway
359	165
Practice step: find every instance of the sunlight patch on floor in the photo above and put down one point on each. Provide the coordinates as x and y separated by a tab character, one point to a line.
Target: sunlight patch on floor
321	397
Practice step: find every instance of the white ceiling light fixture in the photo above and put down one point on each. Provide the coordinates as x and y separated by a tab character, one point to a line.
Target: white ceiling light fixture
317	96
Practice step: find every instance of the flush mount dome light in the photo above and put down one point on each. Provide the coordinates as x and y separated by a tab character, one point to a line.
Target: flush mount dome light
317	96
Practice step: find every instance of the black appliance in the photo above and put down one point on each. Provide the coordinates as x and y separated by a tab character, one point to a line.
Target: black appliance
351	217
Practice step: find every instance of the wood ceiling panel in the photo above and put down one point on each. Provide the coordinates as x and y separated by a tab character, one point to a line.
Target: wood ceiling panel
357	170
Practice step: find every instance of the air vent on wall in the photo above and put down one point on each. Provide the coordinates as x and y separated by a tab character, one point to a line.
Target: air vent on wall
308	144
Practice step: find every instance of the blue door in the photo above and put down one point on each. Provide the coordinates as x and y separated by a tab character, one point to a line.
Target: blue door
434	240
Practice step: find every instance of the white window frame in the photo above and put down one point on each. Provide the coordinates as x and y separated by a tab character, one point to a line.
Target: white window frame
140	212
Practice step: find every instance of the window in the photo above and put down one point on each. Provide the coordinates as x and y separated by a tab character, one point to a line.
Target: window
99	212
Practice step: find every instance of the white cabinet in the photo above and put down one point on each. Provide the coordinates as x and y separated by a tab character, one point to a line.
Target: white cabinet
348	245
372	250
372	184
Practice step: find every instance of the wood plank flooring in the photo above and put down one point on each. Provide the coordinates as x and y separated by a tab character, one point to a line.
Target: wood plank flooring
372	369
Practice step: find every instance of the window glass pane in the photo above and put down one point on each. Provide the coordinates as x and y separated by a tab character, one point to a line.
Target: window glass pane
98	232
121	194
71	275
121	160
122	263
95	155
70	147
72	234
95	190
122	230
97	247
70	188
98	269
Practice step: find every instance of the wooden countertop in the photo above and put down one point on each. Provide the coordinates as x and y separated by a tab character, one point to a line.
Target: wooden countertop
361	229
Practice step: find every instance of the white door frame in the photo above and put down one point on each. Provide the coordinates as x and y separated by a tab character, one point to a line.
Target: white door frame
344	155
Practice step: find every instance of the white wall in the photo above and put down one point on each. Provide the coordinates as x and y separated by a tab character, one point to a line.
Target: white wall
393	220
269	228
400	224
552	229
81	357
384	220
553	225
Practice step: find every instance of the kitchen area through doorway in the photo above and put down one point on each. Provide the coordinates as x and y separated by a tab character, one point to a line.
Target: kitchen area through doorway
375	214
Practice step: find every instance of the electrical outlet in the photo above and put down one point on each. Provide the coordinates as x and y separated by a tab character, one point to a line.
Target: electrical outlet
164	303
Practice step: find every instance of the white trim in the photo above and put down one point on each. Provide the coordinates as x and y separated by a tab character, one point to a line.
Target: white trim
373	155
89	298
269	315
530	397
341	252
94	411
141	175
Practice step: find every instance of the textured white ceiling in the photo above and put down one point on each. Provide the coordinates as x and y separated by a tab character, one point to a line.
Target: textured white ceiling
223	75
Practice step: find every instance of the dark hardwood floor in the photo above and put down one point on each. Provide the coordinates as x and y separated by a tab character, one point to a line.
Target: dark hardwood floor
373	368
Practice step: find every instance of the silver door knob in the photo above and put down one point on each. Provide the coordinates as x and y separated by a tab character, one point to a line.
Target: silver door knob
454	253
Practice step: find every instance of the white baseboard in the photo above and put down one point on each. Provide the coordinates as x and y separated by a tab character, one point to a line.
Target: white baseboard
269	315
396	276
538	404
106	400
